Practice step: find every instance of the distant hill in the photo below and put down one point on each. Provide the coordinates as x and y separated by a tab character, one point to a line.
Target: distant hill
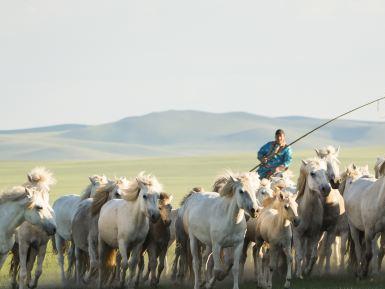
178	133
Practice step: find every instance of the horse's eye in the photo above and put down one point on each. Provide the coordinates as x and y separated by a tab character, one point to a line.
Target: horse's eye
286	206
145	197
241	191
312	174
38	207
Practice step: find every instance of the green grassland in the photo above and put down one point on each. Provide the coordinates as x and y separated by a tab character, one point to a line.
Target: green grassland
178	175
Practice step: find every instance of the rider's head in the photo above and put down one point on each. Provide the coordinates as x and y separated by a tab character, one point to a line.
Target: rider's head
280	137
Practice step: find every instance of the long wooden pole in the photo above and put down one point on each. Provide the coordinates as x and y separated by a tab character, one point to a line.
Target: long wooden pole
322	125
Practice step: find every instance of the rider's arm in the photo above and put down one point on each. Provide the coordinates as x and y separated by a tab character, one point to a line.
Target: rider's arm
263	151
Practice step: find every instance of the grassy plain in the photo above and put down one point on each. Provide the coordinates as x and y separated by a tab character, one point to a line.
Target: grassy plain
178	175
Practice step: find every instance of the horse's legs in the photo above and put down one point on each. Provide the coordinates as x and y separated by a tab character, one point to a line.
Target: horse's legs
330	239
243	258
124	262
322	252
152	264
102	251
195	261
174	268
272	265
369	236
162	262
60	256
344	239
357	247
23	255
256	261
39	265
132	264
237	256
139	275
207	264
77	265
312	247
289	260
298	247
32	253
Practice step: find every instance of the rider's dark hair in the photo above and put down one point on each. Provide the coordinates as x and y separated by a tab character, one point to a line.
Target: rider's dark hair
279	132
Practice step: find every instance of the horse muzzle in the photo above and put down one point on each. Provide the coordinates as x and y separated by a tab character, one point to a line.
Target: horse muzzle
325	190
50	229
154	217
296	221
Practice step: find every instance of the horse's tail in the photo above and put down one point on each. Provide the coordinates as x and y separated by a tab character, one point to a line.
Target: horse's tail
83	262
353	263
108	262
69	247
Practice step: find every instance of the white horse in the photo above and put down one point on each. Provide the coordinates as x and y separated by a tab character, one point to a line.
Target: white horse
31	240
21	204
65	208
283	181
365	202
218	221
314	187
334	208
124	224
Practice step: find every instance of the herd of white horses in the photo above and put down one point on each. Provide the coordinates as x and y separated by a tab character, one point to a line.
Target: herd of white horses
110	228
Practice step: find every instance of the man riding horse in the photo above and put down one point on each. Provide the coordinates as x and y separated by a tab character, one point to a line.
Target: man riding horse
275	156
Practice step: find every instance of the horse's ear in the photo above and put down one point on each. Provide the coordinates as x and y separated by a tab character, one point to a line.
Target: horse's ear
30	179
233	179
170	198
304	162
281	197
317	152
354	166
91	180
28	192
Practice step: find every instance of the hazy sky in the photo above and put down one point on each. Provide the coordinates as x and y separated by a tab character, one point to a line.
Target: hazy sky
95	61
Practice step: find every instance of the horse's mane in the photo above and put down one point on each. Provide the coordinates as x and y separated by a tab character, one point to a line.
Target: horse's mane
249	180
189	194
219	182
133	189
164	199
87	191
379	167
40	177
101	197
14	194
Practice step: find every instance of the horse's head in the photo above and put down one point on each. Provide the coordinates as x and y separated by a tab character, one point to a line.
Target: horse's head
149	191
165	208
243	187
264	191
288	207
96	182
316	176
38	211
330	155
